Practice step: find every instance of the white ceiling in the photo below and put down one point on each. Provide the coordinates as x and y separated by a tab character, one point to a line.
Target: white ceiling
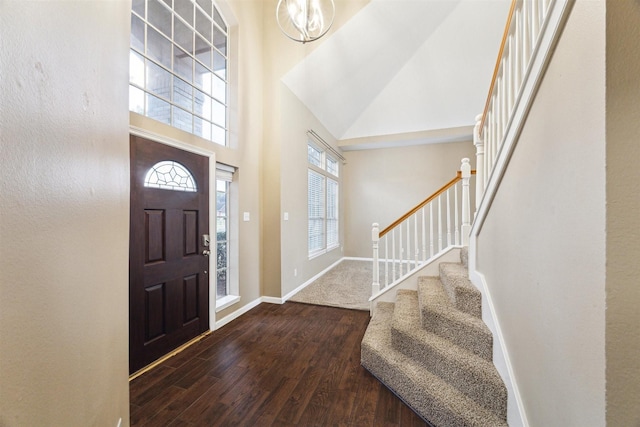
398	67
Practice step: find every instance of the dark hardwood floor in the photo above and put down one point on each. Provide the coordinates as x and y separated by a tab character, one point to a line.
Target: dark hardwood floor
278	365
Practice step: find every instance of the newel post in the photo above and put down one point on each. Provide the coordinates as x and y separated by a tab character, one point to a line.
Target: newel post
465	169
375	238
479	143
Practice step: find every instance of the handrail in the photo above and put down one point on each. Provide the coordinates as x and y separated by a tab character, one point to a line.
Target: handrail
425	202
507	28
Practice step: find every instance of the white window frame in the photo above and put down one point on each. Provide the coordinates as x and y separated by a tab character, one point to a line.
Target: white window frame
225	173
317	166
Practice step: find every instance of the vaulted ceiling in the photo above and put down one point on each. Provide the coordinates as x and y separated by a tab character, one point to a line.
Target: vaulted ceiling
411	71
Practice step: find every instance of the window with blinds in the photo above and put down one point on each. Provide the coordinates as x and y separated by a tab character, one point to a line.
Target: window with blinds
322	201
316	212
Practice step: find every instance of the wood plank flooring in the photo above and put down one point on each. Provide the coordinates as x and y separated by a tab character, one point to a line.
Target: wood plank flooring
277	365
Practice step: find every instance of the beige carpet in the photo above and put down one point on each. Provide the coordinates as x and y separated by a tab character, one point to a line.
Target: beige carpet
347	285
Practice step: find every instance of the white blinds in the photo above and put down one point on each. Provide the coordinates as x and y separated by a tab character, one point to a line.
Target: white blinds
316	207
224	172
332	213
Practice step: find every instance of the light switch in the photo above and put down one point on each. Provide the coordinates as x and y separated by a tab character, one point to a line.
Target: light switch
246	216
286	216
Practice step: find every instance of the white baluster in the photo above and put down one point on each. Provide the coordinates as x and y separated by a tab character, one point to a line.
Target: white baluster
393	252
466	218
513	86
526	35
408	244
401	249
517	40
494	139
535	22
545	9
430	229
386	260
505	105
440	223
508	78
489	136
448	219
479	143
498	115
424	236
375	237
455	210
415	239
501	108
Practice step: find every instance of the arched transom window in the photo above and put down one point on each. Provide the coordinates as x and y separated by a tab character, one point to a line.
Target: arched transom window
170	175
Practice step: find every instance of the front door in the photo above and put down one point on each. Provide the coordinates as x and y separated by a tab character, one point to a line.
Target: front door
168	262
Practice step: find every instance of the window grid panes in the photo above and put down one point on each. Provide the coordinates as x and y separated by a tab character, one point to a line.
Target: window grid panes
178	65
332	166
314	156
222	238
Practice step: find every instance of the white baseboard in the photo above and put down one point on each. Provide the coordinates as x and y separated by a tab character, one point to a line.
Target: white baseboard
239	312
271	300
516	414
355	258
305	284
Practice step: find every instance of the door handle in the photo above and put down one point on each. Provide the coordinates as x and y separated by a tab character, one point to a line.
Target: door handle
206	252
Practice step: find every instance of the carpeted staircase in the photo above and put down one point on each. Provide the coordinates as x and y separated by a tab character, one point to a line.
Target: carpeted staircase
432	349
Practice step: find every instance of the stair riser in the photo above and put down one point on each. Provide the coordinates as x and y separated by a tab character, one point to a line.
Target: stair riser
466	300
464	256
421	401
460	334
488	392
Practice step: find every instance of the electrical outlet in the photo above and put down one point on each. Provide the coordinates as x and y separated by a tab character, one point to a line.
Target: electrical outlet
295	272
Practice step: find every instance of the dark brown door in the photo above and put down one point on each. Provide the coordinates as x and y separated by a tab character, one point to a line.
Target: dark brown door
168	278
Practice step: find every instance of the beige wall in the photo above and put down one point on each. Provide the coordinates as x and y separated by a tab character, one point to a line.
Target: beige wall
382	184
286	121
64	213
623	220
296	268
542	247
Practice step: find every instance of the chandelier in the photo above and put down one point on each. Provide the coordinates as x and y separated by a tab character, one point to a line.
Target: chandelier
305	20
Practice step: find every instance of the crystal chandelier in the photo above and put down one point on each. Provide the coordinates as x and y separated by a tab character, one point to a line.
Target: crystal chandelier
305	20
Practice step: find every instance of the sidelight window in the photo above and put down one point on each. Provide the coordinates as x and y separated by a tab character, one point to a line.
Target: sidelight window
226	256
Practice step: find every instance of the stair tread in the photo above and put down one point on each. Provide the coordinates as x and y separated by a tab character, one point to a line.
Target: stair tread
429	395
440	316
470	373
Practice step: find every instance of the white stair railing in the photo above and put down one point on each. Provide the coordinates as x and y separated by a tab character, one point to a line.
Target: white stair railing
428	225
532	30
